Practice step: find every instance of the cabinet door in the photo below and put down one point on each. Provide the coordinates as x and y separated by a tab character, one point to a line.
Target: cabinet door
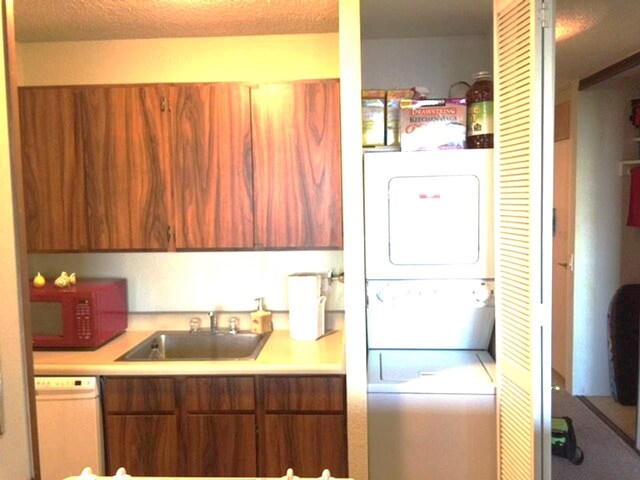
53	170
220	445
219	427
297	169
212	175
308	443
147	445
126	148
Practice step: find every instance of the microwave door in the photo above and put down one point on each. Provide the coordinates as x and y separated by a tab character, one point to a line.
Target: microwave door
47	319
434	220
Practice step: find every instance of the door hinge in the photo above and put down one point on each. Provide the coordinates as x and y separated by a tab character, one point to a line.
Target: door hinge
545	14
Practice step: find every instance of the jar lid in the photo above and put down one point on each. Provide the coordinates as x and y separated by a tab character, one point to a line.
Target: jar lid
482	76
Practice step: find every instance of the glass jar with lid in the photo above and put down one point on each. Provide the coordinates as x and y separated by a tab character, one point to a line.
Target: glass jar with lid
480	112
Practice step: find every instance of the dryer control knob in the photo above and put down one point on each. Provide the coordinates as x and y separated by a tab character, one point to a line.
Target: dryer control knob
483	294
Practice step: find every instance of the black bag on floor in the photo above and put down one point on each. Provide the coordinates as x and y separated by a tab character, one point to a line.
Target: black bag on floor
623	328
563	440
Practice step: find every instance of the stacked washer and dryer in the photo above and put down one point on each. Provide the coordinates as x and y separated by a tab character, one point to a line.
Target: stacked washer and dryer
430	315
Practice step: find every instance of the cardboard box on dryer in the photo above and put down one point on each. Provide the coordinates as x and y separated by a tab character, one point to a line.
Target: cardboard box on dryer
373	109
394	97
434	124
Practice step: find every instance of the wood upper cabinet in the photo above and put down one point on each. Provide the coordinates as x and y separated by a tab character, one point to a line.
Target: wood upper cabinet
297	167
212	174
53	170
126	157
187	167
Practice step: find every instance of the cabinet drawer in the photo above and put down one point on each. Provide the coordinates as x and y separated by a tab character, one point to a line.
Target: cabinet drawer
218	394
309	394
139	395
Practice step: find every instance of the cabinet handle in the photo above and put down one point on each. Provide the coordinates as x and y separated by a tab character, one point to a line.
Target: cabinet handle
168	233
163	104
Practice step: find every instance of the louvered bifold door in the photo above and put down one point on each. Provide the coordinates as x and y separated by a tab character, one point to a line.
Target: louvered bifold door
523	52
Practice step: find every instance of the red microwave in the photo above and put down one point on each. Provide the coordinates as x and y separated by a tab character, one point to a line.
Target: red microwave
83	316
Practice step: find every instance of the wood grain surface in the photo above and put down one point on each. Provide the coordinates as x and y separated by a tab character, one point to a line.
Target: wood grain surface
146	444
139	395
213	182
297	166
220	445
216	394
126	160
305	442
53	170
304	393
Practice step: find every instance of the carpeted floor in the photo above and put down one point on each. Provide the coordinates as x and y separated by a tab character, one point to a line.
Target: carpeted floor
606	455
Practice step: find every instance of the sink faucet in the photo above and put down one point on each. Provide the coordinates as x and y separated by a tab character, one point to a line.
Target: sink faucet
194	324
233	325
213	323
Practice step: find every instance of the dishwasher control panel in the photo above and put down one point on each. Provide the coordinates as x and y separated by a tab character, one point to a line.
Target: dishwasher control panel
71	385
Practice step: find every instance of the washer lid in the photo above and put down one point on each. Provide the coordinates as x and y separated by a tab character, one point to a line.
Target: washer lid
431	371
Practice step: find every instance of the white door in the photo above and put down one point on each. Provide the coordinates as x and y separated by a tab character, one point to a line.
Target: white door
523	55
15	446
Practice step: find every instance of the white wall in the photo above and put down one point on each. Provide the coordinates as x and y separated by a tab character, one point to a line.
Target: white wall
217	59
433	62
189	281
15	448
602	113
198	281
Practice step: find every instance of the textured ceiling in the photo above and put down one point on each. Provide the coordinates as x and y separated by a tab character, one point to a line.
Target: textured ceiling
606	30
65	20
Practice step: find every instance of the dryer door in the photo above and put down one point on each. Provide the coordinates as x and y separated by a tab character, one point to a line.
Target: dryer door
434	220
429	214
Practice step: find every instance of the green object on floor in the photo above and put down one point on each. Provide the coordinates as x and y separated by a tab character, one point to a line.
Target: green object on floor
563	440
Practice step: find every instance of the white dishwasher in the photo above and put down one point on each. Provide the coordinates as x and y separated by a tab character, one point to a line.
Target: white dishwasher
69	426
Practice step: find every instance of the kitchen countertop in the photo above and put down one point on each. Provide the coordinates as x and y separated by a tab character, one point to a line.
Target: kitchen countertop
280	355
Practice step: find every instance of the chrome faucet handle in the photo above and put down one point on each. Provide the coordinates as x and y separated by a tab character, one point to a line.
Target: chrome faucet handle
233	325
213	322
194	324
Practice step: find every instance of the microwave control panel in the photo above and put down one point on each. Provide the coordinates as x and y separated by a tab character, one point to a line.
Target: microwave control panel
84	330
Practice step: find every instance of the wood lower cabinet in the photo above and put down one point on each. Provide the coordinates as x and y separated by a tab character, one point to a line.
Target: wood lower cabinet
226	426
308	443
141	426
219	426
220	445
147	445
304	425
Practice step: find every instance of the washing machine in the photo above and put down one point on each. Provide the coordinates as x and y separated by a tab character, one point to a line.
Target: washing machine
431	393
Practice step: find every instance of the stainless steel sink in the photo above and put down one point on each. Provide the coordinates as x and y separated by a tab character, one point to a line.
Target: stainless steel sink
179	345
